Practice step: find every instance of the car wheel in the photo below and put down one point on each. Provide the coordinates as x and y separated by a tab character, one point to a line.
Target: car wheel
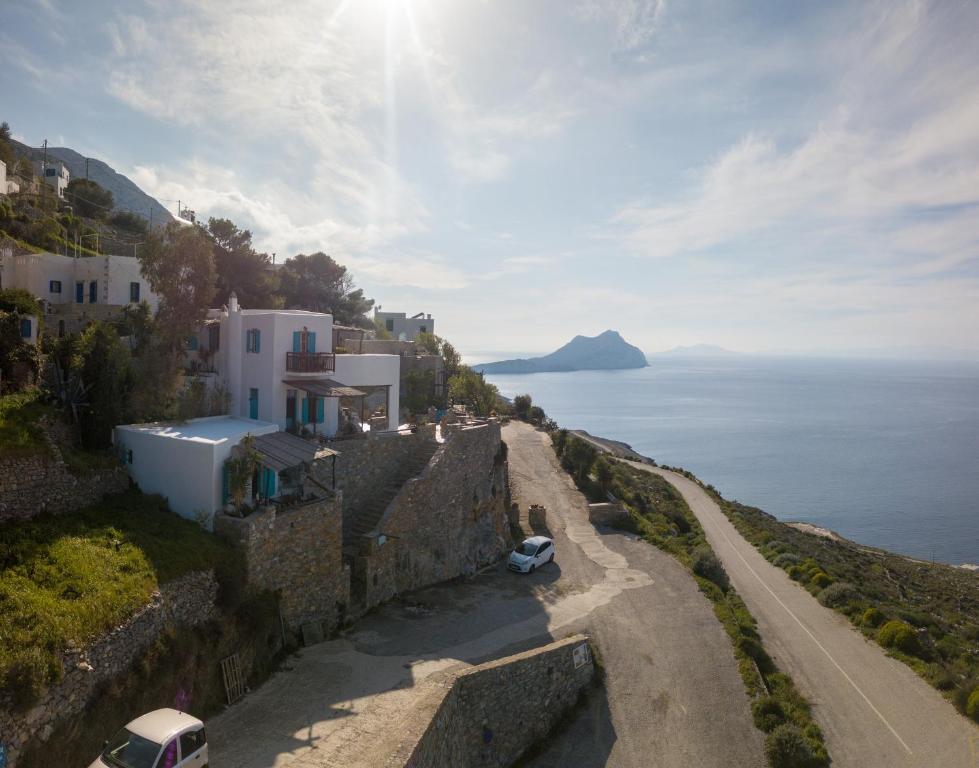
532	569
551	558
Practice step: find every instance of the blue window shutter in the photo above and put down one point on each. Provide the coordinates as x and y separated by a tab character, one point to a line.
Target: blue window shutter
310	342
319	410
305	410
79	293
25	327
296	341
258	341
225	485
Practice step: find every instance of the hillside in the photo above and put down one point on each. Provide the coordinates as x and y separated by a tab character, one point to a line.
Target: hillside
607	351
125	193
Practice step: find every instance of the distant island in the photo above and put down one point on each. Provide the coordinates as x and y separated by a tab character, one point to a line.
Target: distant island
605	352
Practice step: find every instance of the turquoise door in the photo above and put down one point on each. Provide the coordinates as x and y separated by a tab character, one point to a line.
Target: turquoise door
253	403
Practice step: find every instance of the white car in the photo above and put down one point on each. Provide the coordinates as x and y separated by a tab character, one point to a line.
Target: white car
164	738
531	554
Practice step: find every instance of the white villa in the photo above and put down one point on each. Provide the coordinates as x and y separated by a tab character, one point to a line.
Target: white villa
279	366
402	327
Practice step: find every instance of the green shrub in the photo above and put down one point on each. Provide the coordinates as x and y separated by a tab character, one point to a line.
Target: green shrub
872	617
785	559
838	594
706	565
786	747
972	707
767	713
899	635
821	580
796	573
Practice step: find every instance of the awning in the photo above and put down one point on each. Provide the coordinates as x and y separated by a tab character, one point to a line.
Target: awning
282	450
323	387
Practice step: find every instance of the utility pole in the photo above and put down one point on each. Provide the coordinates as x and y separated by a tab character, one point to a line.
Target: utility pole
86	169
178	209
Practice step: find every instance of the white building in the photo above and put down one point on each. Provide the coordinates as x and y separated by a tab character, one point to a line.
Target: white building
405	328
279	366
54	173
185	462
69	283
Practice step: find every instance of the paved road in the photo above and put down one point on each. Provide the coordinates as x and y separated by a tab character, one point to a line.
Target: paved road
673	696
874	710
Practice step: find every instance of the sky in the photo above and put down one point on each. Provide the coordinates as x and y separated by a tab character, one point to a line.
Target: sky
765	176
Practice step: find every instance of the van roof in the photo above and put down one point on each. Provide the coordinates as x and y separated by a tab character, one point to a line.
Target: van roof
162	724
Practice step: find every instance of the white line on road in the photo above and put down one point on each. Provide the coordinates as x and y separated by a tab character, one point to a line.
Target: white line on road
805	629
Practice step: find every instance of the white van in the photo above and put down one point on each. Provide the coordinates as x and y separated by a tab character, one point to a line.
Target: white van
164	738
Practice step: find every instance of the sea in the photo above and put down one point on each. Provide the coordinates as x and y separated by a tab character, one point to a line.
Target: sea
885	453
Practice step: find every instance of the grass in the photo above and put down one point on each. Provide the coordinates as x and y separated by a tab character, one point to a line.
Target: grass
872	587
662	517
20	434
67	578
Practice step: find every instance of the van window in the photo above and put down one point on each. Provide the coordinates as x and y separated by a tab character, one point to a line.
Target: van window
190	742
168	758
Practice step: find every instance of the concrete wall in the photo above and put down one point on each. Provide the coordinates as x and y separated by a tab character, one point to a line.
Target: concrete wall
39	483
298	553
487	716
187	601
447	522
612	514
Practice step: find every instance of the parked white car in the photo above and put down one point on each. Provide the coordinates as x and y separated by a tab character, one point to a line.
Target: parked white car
164	738
531	554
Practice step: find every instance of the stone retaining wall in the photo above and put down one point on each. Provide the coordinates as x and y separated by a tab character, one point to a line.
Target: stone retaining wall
487	716
447	522
187	601
41	482
298	553
612	514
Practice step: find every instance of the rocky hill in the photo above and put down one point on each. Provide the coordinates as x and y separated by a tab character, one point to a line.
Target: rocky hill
125	193
607	351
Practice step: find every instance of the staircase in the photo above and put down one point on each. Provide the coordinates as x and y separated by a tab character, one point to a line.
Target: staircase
364	519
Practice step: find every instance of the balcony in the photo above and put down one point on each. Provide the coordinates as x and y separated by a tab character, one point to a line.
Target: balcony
310	362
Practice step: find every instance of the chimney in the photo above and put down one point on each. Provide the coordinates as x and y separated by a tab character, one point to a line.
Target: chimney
232	303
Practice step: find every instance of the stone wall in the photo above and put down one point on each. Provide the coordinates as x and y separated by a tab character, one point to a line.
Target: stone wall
297	553
447	522
487	716
365	465
42	482
187	601
612	514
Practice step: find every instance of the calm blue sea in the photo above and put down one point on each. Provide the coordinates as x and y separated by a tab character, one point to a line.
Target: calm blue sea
885	453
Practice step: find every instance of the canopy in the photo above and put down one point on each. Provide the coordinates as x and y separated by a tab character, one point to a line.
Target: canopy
282	450
323	387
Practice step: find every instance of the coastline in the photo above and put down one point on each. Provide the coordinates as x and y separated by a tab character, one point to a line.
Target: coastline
623	450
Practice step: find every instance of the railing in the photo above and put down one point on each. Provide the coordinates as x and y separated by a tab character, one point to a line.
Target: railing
310	362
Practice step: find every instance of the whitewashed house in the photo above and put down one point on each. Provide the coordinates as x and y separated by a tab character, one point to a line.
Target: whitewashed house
402	327
279	366
55	174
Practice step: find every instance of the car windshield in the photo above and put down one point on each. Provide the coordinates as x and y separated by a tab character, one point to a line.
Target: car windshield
128	750
527	548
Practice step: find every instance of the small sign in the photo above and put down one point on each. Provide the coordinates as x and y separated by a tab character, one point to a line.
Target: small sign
581	655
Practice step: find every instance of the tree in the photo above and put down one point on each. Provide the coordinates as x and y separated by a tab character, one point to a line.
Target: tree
430	344
579	456
239	267
130	222
419	391
472	390
521	406
6	151
603	472
89	199
179	264
104	367
317	283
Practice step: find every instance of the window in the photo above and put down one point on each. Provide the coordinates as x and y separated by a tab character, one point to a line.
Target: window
191	343
190	742
134	293
79	293
54	286
168	758
25	327
93	292
253	340
50	171
389	323
213	337
423	329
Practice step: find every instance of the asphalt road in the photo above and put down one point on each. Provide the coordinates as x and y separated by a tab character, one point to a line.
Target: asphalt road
874	710
672	697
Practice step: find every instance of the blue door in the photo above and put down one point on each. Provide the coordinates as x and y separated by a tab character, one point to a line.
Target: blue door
253	403
79	293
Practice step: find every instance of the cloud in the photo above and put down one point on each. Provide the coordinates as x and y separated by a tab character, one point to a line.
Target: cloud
890	175
634	21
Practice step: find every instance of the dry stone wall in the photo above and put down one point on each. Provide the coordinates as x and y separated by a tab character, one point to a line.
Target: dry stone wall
297	553
187	601
39	483
487	716
447	522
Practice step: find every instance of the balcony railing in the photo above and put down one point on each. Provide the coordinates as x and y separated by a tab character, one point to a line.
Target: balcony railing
310	362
